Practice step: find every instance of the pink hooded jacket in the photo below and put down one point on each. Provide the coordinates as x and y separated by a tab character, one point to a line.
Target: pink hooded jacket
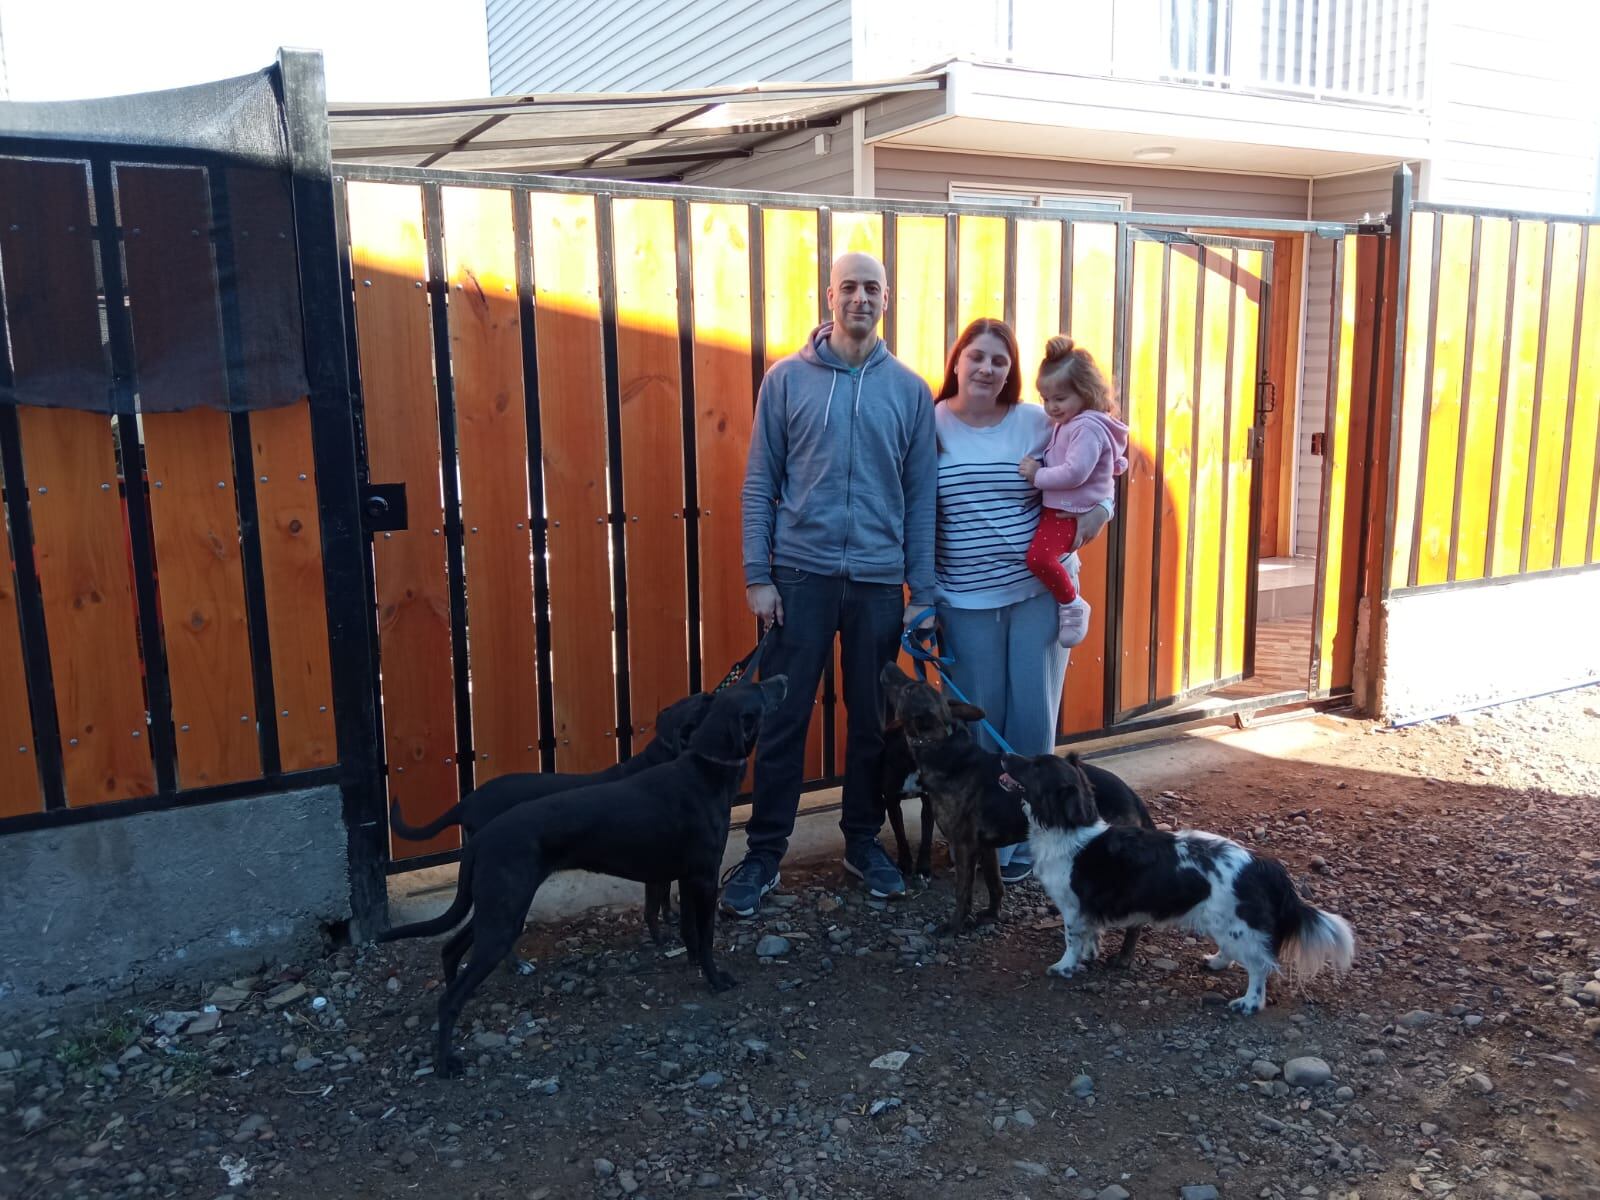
1083	457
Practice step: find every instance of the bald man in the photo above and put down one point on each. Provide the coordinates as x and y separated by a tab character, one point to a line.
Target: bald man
839	502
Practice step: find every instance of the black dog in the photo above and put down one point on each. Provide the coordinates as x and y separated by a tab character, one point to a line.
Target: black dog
898	782
668	822
974	802
674	725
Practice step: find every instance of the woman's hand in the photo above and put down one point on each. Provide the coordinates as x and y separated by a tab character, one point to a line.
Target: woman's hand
1028	468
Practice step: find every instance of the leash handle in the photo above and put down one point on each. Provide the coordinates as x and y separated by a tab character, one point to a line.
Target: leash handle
924	651
745	665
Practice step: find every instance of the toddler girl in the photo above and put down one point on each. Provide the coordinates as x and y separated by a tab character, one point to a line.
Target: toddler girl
1087	450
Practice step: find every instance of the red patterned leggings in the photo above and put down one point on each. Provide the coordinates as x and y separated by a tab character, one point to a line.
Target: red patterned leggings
1059	534
1055	537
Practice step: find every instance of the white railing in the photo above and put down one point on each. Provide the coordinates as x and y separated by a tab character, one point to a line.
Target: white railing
1351	51
1370	51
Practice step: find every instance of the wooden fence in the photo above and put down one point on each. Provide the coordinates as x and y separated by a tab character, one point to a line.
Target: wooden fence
1498	416
114	686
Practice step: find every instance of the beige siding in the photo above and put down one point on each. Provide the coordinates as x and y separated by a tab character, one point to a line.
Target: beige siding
927	175
1516	116
790	164
658	45
1341	198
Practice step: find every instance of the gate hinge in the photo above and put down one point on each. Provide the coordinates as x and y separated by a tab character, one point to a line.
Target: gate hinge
1256	443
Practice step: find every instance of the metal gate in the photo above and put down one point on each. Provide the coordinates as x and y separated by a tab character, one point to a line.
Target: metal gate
557	382
1186	556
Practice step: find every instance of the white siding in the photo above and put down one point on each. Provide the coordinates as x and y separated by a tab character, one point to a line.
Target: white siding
926	175
1341	198
790	164
1516	120
659	45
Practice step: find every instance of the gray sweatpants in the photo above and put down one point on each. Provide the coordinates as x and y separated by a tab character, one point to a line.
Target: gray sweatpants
1008	663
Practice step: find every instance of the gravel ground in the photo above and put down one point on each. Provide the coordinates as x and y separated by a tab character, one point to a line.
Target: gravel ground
1461	1057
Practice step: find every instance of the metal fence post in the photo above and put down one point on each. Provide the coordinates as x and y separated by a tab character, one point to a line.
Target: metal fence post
346	559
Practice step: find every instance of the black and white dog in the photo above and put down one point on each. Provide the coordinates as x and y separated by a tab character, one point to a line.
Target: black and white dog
1111	876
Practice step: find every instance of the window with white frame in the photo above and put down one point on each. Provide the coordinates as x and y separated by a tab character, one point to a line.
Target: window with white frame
1016	197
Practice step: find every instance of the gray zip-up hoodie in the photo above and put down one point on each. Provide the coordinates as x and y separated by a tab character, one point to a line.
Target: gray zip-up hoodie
843	475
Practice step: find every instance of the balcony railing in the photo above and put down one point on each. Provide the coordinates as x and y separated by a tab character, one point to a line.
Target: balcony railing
1351	51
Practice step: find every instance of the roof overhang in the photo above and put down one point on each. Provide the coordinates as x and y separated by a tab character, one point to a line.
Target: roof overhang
1006	110
619	136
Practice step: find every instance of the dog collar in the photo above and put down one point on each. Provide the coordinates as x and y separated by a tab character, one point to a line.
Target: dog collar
726	762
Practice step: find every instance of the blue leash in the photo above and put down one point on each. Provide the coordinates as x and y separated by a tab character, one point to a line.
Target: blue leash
920	646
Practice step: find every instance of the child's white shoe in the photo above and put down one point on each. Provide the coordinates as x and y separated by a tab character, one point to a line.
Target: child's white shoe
1073	622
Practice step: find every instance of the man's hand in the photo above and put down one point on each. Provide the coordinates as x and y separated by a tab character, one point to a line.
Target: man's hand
765	602
1028	468
913	611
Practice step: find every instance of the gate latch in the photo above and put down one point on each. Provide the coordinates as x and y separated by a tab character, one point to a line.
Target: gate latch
383	507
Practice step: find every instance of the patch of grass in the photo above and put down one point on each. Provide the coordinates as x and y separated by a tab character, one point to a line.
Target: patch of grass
95	1044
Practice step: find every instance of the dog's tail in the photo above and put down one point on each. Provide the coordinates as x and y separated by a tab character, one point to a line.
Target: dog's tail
450	917
421	833
1317	939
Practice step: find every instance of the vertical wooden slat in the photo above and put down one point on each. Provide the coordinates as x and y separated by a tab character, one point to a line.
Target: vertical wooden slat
1172	595
81	551
1578	527
858	232
981	271
1211	523
789	241
395	341
572	415
196	528
291	571
1408	470
491	440
1247	298
1091	322
1483	397
1039	318
47	252
1551	433
1277	453
916	297
1444	392
1518	372
652	457
19	782
1141	397
719	237
173	304
1336	465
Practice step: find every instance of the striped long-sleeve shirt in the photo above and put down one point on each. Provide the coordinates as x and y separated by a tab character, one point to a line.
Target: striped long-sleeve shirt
987	510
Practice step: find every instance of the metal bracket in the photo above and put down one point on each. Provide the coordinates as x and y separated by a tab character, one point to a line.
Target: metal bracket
1256	444
383	507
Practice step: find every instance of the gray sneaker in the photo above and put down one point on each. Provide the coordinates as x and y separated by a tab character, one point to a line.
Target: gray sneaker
744	886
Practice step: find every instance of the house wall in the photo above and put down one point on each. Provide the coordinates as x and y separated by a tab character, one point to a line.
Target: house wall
790	164
658	45
927	175
1516	113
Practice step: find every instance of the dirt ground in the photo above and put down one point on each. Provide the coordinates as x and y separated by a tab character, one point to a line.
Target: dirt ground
1462	1055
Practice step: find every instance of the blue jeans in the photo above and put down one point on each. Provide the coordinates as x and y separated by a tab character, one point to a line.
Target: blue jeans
868	619
1009	664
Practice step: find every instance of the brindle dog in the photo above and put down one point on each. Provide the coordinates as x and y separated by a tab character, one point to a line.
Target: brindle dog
967	788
